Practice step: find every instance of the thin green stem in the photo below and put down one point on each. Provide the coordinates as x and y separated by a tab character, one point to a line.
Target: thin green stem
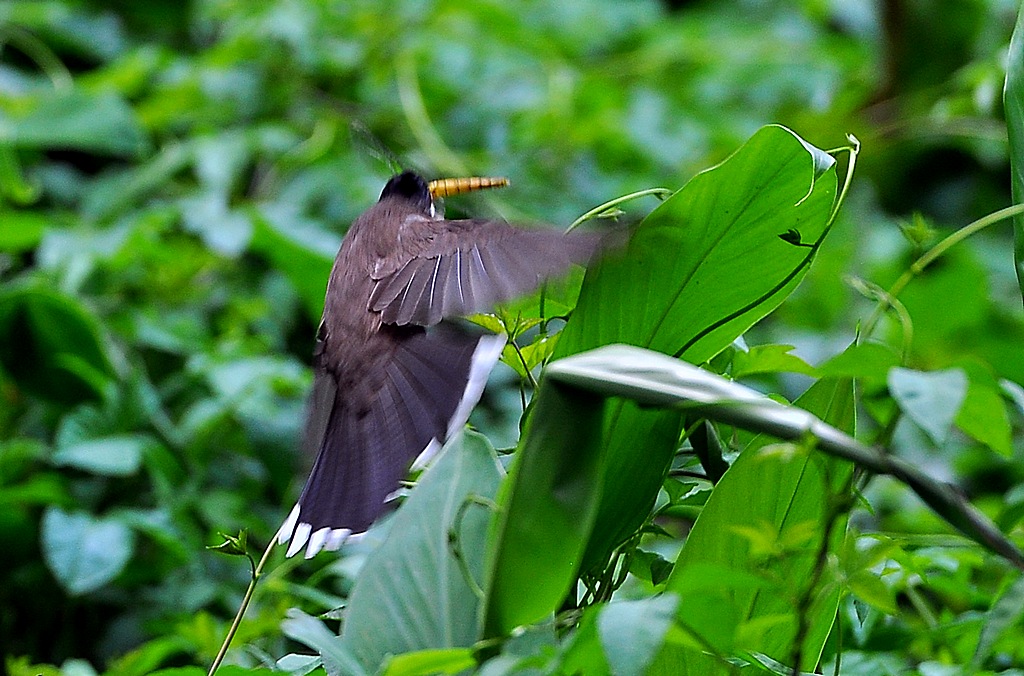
455	544
526	366
839	642
854	150
661	193
921	605
876	292
930	256
256	572
40	53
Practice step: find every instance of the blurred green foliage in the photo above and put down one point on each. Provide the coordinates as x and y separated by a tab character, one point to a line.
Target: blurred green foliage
175	178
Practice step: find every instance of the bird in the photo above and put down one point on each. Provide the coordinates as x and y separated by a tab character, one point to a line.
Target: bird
395	373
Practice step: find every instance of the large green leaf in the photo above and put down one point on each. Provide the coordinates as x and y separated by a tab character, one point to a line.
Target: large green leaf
336	658
79	120
546	509
699	270
1013	106
116	455
931	399
412	593
51	346
709	262
984	415
85	552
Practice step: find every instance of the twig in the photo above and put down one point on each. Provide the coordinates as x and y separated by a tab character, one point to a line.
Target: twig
455	545
660	193
257	572
918	266
526	366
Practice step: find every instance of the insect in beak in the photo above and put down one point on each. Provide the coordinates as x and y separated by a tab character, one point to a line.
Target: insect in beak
446	187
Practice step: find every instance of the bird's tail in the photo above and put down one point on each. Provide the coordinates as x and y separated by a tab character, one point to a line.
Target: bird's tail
431	385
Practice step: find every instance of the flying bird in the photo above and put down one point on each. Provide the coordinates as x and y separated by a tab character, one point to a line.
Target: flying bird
393	380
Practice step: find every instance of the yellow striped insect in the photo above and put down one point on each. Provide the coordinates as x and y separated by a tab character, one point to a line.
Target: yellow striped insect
445	187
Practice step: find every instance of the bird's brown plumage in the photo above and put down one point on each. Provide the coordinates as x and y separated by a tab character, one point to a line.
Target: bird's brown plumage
392	379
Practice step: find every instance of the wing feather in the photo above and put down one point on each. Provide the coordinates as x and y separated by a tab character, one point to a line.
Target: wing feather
414	299
457	268
384	294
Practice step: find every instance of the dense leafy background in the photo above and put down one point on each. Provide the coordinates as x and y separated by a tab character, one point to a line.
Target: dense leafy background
175	178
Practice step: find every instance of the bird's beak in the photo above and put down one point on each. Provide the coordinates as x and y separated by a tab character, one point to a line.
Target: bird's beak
445	187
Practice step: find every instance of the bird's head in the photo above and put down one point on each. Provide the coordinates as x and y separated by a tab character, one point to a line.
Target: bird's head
410	187
414	190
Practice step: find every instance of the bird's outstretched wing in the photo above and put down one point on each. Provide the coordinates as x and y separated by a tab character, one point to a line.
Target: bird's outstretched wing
456	268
